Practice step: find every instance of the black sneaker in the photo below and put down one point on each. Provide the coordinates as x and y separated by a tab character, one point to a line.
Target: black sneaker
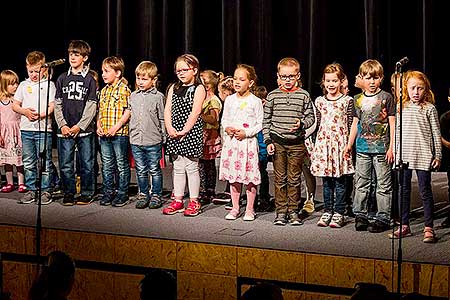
155	202
221	198
377	226
85	200
68	200
280	219
120	201
204	199
361	223
106	200
446	222
265	205
294	220
142	201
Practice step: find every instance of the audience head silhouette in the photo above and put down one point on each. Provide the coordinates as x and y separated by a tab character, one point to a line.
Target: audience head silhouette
158	284
369	291
55	279
263	291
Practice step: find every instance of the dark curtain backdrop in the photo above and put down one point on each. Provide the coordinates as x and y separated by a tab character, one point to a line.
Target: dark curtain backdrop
222	33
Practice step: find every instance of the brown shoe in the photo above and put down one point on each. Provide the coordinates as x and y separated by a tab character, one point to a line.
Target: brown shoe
429	235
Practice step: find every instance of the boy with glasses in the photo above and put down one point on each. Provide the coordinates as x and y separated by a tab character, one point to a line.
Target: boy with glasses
285	140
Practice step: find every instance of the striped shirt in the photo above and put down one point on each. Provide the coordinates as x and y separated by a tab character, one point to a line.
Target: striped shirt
281	112
114	100
421	136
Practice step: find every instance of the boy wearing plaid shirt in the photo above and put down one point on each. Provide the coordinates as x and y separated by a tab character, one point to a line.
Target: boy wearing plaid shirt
112	128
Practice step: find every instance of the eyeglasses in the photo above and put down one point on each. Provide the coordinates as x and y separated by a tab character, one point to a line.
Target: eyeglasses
288	77
182	71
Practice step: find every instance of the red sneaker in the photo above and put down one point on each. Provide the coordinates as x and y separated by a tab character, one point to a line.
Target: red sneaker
22	188
174	207
193	209
7	188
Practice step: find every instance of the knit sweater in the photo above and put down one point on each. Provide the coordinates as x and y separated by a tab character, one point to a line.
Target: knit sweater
281	112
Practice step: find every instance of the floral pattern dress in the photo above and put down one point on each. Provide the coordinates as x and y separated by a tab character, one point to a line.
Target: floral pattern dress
327	158
239	160
11	151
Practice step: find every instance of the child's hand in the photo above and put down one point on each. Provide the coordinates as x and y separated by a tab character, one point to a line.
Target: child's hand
2	142
240	134
172	132
112	131
347	152
271	149
390	156
296	125
74	130
100	130
230	131
65	131
31	114
435	164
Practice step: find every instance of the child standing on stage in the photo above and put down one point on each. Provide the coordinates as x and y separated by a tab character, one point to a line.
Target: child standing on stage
112	128
75	110
373	128
327	161
241	120
10	140
147	134
421	148
225	89
211	137
30	100
185	129
264	203
285	107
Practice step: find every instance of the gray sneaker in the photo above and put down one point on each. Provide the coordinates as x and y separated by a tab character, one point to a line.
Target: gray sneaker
324	220
141	201
46	198
28	197
155	202
294	220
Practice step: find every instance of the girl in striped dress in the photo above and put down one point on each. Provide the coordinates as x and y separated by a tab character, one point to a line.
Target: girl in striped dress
421	148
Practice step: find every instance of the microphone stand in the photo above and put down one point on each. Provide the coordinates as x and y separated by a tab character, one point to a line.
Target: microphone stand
400	167
42	164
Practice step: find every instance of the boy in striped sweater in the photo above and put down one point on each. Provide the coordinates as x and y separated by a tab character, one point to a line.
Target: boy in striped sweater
285	140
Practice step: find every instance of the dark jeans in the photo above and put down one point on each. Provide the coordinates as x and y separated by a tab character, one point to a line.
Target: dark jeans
287	165
114	155
208	175
147	159
334	194
264	186
66	157
426	194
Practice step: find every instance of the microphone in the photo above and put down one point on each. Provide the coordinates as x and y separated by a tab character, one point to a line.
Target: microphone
402	62
54	63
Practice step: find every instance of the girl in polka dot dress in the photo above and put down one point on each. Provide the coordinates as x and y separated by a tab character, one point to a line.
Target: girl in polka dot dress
242	120
185	133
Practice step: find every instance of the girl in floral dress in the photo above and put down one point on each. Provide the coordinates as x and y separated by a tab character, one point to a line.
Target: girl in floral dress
327	161
242	120
10	140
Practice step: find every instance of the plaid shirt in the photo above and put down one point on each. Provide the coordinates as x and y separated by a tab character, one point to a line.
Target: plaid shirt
114	100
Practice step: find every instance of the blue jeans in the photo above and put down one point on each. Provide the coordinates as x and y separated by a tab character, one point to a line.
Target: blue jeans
32	146
334	194
147	159
364	164
66	157
426	194
114	155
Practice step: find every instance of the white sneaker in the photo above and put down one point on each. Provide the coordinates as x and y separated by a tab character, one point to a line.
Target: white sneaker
249	216
324	220
337	221
232	215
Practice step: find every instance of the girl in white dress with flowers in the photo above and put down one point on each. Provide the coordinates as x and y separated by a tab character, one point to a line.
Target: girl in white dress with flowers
241	120
327	159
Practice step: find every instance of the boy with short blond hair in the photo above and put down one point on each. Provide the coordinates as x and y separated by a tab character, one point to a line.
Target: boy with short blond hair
30	100
147	134
284	108
75	110
373	128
